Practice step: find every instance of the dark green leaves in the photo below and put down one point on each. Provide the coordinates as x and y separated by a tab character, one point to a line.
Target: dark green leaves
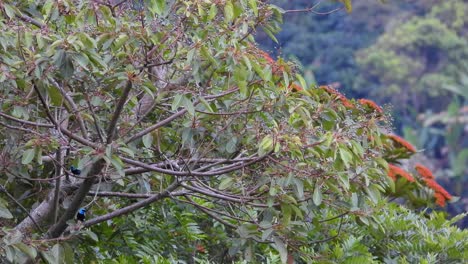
64	63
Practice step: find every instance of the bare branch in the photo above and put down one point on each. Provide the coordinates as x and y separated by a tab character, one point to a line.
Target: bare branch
128	209
132	195
21	129
156	126
31	20
25	122
195	173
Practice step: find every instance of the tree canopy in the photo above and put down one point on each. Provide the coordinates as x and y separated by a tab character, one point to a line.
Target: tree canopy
188	142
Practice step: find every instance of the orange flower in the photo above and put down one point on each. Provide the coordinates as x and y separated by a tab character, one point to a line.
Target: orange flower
439	191
400	141
267	57
440	199
295	87
330	90
424	171
393	171
339	95
200	248
371	104
346	102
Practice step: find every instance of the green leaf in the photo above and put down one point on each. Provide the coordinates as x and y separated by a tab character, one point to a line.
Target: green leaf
119	41
91	235
281	247
81	59
5	213
302	81
28	156
10	11
213	11
299	187
345	156
354	200
178	101
228	12
267	233
253	6
226	183
147	140
266	145
29	251
231	145
206	104
157	6
118	164
374	193
317	196
188	104
344	179
130	152
55	96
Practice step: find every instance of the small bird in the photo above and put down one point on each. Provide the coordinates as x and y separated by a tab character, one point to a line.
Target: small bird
75	170
80	216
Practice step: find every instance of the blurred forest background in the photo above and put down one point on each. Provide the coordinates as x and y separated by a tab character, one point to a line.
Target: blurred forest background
411	56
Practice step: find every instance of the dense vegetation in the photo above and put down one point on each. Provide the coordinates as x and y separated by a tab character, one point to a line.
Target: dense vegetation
407	55
159	132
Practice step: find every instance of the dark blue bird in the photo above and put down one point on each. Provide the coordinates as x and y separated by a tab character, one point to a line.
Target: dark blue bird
80	216
75	170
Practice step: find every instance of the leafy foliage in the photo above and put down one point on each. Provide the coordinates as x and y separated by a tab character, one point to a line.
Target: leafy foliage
169	110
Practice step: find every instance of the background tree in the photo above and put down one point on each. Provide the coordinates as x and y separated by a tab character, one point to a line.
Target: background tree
169	109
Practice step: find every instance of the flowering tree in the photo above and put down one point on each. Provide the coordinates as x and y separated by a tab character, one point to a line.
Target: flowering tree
114	108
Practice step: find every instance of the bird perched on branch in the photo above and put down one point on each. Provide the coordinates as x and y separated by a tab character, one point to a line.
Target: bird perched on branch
75	171
81	215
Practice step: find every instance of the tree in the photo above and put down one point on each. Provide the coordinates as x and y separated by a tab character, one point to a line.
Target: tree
167	109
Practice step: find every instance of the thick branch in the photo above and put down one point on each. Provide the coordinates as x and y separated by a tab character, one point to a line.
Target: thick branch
57	229
31	20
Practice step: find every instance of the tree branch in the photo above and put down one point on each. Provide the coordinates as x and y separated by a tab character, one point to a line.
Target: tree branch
111	131
31	20
57	229
195	173
3	189
156	126
132	195
133	207
25	122
74	108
